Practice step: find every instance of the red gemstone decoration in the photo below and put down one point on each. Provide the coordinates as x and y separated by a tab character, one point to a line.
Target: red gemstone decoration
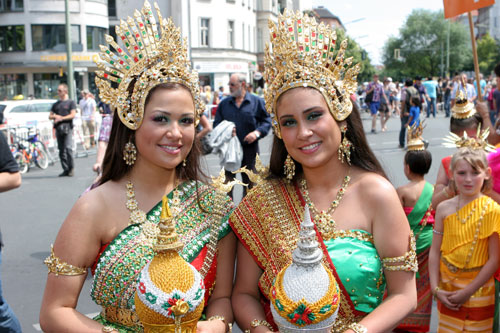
313	34
120	50
141	25
136	47
136	59
121	62
290	29
105	75
123	37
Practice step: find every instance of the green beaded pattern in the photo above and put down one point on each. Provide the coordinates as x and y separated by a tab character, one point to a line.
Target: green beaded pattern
121	262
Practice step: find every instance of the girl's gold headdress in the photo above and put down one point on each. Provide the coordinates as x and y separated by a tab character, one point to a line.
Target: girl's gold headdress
479	142
150	54
301	53
415	140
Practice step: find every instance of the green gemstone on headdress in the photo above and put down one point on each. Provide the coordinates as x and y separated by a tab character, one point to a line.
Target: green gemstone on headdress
314	43
125	56
108	52
111	62
140	44
331	49
324	55
144	32
307	48
115	72
127	67
127	33
299	29
321	36
127	44
140	55
119	80
157	36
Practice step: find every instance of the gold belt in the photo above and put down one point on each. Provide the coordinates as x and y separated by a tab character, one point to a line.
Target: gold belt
455	269
125	317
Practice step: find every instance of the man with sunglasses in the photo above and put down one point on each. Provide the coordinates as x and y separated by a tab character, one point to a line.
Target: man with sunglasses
62	113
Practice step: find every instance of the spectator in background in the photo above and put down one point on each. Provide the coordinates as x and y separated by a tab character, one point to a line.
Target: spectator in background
88	108
378	92
248	113
10	178
462	83
446	88
482	85
421	91
431	89
62	113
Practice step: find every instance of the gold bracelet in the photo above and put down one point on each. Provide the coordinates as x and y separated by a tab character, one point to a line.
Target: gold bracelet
257	322
217	317
358	328
108	329
434	292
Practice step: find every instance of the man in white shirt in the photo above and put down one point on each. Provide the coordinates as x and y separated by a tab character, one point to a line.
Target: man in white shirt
88	107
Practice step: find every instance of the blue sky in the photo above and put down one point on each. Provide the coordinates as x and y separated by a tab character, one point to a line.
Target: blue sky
380	19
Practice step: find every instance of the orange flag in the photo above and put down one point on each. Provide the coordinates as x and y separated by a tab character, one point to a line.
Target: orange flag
454	8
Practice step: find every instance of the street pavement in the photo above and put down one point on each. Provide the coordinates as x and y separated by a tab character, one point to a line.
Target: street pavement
32	214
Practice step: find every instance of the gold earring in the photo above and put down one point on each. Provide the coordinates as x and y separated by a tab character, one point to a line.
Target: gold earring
184	163
129	153
344	150
289	168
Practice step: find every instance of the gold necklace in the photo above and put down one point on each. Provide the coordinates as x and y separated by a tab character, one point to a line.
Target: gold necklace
472	211
324	221
138	216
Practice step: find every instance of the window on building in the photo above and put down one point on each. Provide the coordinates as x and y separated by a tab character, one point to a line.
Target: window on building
205	32
45	84
48	37
243	36
12	38
12	85
11	5
112	8
260	41
260	5
95	37
230	34
112	31
249	39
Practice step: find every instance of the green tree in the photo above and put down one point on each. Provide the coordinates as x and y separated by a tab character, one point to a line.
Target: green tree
422	45
487	52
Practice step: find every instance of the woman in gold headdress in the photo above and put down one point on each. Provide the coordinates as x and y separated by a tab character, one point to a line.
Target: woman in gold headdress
321	158
151	165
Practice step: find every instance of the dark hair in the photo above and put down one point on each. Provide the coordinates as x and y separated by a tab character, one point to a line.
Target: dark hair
114	167
458	126
419	161
361	154
416	101
408	82
497	69
418	78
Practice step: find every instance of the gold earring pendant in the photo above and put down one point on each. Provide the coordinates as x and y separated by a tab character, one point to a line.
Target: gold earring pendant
184	163
344	150
289	168
129	153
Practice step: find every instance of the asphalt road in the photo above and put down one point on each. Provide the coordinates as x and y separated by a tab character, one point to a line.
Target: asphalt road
32	214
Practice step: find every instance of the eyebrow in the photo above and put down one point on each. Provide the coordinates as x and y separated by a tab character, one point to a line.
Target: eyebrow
312	108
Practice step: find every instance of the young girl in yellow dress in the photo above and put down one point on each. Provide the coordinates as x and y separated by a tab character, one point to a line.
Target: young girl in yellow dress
464	252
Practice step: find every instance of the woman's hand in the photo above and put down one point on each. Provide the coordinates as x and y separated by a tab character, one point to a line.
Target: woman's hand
459	297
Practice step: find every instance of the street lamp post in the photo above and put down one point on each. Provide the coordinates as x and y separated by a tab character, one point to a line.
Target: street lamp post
71	80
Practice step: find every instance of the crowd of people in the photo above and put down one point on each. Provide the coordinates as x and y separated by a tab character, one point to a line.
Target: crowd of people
428	241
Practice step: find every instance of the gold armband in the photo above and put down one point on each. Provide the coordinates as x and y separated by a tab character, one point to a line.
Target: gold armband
406	262
59	267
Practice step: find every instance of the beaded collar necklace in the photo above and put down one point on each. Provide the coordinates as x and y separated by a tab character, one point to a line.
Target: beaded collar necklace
138	216
324	221
464	220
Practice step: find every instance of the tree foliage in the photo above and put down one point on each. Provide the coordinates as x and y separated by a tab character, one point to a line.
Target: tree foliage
422	45
487	53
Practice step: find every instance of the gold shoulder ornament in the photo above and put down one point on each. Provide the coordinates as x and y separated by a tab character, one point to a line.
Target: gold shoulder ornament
59	267
220	182
303	53
479	142
255	177
150	53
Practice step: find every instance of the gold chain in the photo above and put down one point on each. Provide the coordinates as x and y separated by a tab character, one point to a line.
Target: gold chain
473	210
324	221
138	216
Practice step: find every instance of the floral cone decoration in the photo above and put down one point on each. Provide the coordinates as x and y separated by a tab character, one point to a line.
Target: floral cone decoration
305	295
170	292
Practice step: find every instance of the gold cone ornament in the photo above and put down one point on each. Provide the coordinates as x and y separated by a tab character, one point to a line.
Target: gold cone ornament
415	140
462	109
170	291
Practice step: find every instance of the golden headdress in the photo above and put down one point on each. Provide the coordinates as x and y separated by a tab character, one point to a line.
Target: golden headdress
462	109
479	142
302	54
151	54
415	140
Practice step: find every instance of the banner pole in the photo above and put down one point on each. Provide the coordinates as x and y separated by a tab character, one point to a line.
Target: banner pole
474	53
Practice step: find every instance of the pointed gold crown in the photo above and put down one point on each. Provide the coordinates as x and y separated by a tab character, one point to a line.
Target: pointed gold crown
479	142
152	54
462	109
302	53
415	140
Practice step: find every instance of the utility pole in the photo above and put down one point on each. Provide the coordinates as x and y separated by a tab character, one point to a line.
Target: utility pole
448	51
71	80
442	56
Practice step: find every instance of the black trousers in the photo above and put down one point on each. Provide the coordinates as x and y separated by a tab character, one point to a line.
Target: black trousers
402	132
249	154
65	146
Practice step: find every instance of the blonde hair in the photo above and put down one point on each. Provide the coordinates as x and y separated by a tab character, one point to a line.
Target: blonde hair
477	159
208	93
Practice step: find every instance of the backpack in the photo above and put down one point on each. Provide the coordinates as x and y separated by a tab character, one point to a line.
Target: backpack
410	93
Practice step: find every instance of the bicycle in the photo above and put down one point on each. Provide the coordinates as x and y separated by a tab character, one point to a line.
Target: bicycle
34	152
